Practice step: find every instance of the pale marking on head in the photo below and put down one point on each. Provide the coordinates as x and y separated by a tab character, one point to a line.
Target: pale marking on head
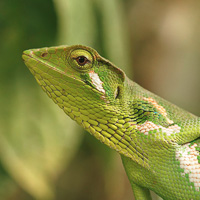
187	156
150	126
161	109
96	81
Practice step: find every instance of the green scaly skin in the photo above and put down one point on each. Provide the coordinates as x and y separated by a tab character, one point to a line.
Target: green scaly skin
158	142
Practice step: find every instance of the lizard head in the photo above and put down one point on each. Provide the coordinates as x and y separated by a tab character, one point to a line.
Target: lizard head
87	87
77	71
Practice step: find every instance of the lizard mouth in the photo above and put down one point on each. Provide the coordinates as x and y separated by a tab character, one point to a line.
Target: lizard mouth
34	62
29	55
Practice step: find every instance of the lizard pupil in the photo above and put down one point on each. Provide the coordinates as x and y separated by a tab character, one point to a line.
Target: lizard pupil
82	60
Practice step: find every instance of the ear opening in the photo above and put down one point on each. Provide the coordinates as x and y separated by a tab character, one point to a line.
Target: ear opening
117	92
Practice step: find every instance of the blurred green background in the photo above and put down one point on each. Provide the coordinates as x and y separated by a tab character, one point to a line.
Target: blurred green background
43	154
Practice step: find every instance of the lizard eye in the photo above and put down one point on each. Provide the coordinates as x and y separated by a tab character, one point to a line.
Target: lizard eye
82	60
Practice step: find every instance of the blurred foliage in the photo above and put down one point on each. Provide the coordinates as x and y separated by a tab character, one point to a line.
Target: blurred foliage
43	154
165	50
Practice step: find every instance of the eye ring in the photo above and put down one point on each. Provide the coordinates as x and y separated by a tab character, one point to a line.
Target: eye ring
81	60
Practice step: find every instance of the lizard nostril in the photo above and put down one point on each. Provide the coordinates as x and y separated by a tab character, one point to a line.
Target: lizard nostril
44	54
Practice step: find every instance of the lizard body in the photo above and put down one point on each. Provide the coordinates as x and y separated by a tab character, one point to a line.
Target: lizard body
159	142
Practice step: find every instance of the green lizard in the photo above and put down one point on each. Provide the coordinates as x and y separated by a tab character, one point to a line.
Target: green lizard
159	143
